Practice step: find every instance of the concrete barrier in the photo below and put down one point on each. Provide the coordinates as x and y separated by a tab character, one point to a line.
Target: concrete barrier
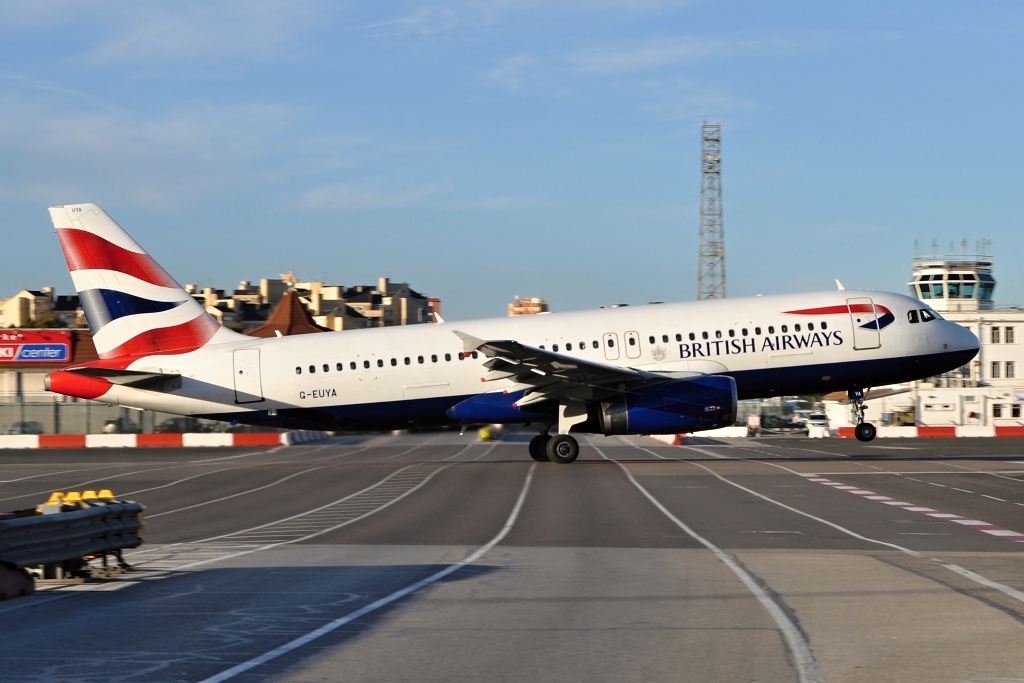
110	440
895	433
847	432
206	440
983	431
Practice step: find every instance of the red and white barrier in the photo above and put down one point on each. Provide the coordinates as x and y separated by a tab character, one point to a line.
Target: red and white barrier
938	431
922	432
190	440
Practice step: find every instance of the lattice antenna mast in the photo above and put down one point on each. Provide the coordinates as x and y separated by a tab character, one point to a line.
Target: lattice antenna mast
711	269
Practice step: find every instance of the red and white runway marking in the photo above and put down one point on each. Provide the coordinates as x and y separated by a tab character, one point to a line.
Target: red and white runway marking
991	529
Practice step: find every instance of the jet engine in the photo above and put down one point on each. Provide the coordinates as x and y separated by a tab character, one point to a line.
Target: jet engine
686	405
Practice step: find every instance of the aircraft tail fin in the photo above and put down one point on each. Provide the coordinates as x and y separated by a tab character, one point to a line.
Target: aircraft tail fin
133	306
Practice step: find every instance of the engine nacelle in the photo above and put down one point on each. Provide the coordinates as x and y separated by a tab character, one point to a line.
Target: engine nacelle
686	405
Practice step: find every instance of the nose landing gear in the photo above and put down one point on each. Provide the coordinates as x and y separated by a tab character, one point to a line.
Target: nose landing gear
864	431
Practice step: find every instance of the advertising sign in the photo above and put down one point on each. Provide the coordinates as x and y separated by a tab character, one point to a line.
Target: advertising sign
35	346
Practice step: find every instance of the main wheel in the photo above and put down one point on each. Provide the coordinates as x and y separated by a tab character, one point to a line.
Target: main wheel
563	449
538	447
865	431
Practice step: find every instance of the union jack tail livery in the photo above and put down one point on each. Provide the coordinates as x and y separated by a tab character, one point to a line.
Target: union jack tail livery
133	306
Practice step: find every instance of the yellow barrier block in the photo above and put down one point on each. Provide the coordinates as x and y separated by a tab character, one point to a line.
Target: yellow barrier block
105	494
89	495
56	498
72	497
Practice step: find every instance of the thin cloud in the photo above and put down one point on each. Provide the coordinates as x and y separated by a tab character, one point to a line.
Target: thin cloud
351	197
153	161
652	56
424	21
515	73
508	203
196	31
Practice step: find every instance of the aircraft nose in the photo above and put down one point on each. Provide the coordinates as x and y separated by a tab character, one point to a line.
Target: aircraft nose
962	339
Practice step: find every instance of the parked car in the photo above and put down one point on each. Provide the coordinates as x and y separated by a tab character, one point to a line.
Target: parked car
817	420
25	427
121	425
180	425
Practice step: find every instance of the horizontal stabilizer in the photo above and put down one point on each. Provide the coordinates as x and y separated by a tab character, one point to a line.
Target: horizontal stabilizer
127	378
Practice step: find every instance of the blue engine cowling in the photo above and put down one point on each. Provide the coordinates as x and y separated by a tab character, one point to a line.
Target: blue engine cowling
686	405
495	407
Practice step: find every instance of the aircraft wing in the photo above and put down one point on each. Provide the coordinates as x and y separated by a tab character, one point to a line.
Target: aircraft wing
128	378
545	375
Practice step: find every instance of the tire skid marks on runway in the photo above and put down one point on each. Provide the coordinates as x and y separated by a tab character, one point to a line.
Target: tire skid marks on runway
300	527
491	447
985	527
799	648
343	512
236	495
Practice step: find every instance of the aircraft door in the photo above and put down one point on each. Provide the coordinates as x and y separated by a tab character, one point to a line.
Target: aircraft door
611	346
248	385
631	340
866	334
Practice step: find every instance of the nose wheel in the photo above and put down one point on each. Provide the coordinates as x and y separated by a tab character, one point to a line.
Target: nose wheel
864	431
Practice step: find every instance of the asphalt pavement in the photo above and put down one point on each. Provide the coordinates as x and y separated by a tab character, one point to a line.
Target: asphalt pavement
437	557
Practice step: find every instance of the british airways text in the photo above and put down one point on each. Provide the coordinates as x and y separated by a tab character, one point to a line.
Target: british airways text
781	342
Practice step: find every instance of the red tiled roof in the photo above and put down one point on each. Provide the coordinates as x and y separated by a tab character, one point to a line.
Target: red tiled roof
288	317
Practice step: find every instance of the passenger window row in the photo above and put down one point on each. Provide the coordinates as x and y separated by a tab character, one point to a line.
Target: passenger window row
632	340
366	364
745	332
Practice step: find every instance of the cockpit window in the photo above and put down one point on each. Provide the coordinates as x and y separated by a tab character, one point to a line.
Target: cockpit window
927	316
912	316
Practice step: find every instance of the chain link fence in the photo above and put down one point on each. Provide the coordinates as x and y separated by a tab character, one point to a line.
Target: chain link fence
45	415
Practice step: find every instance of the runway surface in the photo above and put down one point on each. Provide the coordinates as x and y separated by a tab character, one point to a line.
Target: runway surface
436	557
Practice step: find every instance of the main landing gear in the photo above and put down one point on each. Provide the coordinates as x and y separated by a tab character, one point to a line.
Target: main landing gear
864	431
560	448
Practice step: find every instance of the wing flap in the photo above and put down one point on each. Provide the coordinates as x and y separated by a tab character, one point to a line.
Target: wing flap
546	375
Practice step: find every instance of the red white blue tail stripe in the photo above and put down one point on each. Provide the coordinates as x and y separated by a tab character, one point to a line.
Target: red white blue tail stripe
133	306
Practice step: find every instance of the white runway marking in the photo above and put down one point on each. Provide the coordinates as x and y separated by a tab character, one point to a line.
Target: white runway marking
817	478
799	648
301	641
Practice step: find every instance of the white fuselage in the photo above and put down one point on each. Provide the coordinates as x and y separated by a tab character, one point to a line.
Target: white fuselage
770	345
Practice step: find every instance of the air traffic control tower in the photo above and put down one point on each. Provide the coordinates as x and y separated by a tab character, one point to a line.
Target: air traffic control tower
955	283
988	393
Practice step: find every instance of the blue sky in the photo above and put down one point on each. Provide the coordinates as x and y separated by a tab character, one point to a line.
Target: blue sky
482	150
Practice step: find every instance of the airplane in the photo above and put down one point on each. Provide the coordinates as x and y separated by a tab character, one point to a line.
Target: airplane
664	368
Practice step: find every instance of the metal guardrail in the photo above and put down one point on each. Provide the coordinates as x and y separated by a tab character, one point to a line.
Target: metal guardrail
70	527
